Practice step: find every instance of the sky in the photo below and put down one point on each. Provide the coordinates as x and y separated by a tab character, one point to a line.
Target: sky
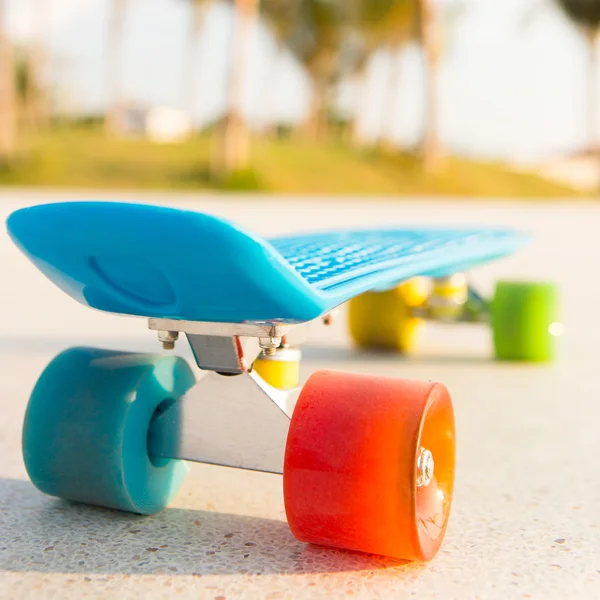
513	85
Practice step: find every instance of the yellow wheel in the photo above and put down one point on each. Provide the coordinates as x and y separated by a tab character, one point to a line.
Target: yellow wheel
385	320
282	369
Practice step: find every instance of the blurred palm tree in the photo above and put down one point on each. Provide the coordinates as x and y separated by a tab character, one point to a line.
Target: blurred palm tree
8	110
314	31
329	35
380	24
318	43
585	14
191	56
114	66
281	15
231	155
430	37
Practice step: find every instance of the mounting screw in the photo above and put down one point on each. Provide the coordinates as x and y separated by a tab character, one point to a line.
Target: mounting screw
269	345
168	339
425	468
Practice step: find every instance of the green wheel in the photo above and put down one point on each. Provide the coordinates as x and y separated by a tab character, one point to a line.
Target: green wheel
86	427
525	321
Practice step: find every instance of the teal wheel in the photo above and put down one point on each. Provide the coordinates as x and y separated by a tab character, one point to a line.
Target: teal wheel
86	428
525	321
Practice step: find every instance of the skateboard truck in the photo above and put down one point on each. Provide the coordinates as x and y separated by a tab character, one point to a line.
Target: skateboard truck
453	299
211	423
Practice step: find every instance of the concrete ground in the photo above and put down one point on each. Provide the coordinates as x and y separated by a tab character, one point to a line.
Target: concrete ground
526	516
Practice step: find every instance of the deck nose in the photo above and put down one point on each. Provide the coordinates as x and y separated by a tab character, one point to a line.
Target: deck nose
87	252
153	261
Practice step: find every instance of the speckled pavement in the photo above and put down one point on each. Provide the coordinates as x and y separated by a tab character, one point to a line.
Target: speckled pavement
526	516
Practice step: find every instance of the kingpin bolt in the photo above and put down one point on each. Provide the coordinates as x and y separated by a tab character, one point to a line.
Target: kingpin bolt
168	339
269	345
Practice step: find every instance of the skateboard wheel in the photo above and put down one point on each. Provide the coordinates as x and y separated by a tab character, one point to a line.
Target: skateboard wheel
282	369
86	426
384	320
353	471
524	320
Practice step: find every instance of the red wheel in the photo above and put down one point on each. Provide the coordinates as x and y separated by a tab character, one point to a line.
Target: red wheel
357	472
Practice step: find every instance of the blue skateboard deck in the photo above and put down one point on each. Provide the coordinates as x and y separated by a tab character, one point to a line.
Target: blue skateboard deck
166	263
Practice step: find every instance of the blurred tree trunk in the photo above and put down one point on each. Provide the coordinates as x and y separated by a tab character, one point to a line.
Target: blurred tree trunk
361	103
431	41
387	141
114	67
191	56
8	129
232	149
269	97
317	125
592	35
37	109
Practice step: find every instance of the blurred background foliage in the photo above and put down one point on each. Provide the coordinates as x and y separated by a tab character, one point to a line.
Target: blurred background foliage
333	40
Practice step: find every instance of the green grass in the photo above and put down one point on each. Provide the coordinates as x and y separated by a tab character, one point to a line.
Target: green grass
86	158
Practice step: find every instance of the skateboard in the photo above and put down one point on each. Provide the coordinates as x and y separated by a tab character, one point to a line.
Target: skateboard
367	462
